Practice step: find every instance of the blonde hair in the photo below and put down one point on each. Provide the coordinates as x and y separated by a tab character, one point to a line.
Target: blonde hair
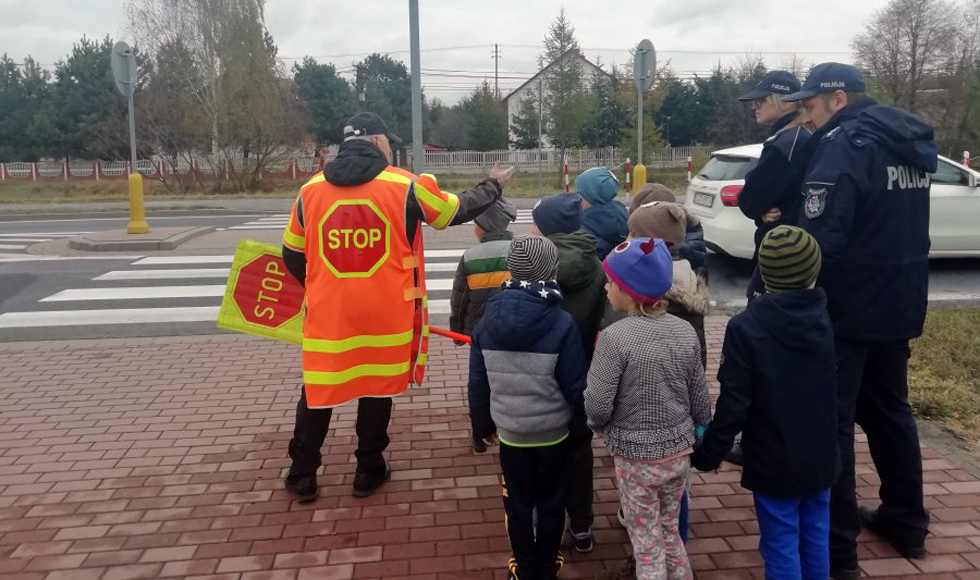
788	107
652	309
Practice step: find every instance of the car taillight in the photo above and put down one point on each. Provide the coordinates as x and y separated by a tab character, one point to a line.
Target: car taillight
729	195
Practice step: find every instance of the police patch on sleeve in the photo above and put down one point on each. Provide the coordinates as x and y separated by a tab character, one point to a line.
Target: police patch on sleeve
815	202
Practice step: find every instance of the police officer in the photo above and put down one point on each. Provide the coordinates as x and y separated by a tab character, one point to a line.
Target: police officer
866	201
771	195
365	333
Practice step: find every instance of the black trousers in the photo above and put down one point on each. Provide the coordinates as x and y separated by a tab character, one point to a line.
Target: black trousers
373	416
535	477
580	480
873	392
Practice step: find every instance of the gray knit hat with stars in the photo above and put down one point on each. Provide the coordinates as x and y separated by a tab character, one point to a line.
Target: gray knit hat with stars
532	258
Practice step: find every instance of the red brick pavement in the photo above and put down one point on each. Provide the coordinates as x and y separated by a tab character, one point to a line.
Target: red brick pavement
162	458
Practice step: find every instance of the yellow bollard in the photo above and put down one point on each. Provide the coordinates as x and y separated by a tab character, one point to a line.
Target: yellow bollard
639	177
137	216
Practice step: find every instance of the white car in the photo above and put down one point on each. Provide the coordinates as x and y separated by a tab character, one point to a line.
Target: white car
712	195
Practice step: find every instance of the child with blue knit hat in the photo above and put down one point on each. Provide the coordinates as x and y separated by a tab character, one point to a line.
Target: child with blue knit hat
646	396
604	217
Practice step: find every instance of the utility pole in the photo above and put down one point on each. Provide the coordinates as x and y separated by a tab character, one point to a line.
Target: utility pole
418	156
540	183
496	62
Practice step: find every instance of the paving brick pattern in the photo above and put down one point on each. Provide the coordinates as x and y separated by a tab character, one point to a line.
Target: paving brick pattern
162	458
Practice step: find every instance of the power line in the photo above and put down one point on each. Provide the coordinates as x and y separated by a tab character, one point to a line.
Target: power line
442	48
687	51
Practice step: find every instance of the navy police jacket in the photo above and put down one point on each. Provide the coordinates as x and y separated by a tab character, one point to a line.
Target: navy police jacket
866	201
775	181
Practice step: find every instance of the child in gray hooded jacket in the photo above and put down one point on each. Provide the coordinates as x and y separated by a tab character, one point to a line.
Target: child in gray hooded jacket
527	374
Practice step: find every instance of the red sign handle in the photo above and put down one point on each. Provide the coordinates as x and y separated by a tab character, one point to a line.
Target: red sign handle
449	334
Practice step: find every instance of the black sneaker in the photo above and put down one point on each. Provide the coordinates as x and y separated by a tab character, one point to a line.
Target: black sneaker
365	485
911	550
845	573
582	541
302	487
735	455
479	446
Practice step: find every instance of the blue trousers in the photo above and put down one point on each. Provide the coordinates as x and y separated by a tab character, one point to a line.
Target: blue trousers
682	520
795	536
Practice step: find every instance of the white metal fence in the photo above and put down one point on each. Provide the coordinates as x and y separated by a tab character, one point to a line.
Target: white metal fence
446	162
529	160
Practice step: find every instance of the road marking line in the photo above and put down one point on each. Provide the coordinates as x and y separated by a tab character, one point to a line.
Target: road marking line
164	274
12	247
46	234
107	316
160	260
137	293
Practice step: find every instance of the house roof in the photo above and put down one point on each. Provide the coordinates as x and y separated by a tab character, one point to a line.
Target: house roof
551	64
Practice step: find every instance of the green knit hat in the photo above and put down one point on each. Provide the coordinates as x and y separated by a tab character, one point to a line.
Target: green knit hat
789	259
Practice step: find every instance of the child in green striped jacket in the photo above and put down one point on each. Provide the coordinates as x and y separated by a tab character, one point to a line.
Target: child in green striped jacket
481	271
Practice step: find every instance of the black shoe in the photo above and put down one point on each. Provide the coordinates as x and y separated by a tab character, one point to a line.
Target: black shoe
736	456
582	541
365	484
479	446
910	550
302	487
845	573
512	569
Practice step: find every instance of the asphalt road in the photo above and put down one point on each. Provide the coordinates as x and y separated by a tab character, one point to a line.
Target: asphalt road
118	297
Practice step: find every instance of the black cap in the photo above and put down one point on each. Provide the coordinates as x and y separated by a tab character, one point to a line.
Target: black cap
368	123
775	82
829	77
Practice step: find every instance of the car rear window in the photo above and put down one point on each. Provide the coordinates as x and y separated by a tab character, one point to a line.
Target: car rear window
727	168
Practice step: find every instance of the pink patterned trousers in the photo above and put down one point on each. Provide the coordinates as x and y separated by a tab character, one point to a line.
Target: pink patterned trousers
650	494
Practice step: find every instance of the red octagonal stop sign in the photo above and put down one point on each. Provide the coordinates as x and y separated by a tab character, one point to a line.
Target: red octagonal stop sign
266	294
354	238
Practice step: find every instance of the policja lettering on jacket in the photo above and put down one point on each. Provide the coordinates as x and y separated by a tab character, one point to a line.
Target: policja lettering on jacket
907	177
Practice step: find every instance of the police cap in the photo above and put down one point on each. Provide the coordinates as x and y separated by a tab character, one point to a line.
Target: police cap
775	82
829	77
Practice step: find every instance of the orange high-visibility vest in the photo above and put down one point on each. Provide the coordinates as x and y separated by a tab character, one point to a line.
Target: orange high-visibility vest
366	330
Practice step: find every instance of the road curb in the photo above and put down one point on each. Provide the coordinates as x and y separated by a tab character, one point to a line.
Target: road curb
108	242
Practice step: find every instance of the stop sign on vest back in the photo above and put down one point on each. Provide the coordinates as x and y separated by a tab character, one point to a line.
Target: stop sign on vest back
354	238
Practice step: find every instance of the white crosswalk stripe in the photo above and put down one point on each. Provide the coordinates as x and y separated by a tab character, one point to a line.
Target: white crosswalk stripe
179	289
18	242
279	221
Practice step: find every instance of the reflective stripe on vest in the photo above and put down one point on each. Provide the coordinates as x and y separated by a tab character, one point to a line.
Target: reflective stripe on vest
359	371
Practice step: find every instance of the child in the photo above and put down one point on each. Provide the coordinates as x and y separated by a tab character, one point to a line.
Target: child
778	385
604	217
693	249
582	282
526	380
688	296
646	395
481	270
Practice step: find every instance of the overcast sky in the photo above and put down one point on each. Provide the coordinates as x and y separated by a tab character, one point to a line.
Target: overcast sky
692	34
